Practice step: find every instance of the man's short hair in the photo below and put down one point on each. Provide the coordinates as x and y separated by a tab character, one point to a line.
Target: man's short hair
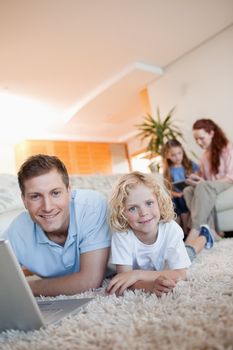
40	164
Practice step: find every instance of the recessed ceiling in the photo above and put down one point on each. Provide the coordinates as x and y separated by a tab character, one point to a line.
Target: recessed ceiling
88	60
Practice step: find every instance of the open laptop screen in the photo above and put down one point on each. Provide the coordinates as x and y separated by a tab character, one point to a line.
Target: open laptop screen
18	306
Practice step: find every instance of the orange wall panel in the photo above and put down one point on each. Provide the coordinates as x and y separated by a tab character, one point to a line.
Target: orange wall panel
79	157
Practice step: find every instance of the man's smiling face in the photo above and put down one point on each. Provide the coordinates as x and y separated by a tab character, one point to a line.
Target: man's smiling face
47	200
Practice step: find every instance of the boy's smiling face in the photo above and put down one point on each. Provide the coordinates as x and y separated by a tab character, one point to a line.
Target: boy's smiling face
142	213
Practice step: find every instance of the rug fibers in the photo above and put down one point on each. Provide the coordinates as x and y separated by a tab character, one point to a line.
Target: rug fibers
197	315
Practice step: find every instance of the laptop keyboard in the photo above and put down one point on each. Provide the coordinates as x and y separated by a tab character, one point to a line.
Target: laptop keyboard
50	311
54	310
47	306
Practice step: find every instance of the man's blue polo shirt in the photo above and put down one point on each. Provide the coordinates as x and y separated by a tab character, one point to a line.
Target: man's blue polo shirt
88	230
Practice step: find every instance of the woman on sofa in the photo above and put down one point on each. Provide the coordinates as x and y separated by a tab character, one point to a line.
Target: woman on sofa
216	176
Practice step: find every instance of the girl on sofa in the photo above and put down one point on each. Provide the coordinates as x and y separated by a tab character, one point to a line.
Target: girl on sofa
177	167
216	176
147	244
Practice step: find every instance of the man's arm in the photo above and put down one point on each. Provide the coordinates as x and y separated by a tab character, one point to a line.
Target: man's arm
92	270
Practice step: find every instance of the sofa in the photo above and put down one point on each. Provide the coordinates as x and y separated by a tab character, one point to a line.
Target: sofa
11	203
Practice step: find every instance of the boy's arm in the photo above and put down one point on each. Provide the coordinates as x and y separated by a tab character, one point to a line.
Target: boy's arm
92	271
141	279
159	286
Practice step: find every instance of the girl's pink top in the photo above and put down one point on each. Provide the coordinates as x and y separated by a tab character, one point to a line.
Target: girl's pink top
225	167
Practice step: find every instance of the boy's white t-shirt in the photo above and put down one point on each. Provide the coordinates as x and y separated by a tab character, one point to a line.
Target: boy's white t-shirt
168	251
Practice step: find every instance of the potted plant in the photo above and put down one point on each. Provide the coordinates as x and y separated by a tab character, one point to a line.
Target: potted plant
158	132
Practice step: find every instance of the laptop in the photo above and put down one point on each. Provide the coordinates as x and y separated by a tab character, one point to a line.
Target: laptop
19	309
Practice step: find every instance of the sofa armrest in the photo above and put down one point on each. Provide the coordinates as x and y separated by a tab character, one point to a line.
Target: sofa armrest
224	200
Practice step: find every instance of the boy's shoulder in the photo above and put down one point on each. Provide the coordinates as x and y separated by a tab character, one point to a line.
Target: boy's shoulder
169	224
171	229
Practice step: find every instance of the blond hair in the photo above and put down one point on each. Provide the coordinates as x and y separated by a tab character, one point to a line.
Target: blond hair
125	183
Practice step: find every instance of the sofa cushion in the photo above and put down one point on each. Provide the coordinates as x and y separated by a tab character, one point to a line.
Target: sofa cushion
7	217
10	198
101	183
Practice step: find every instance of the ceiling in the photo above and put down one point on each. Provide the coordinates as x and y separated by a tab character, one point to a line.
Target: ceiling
79	65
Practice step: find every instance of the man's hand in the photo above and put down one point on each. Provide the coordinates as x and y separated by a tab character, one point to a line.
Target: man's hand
27	272
122	281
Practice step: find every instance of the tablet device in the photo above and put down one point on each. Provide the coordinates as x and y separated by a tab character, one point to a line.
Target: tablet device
180	185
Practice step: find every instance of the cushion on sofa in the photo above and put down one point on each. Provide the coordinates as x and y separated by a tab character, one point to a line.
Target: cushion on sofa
101	183
10	198
7	217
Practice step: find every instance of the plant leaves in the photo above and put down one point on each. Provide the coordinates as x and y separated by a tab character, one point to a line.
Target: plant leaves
158	131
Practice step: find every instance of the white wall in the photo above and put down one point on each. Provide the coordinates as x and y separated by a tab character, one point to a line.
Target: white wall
199	85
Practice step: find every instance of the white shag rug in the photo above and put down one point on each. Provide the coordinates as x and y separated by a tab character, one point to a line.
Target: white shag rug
197	315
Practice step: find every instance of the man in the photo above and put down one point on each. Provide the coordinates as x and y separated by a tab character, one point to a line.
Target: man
63	237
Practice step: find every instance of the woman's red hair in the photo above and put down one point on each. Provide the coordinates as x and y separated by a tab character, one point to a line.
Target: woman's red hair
218	143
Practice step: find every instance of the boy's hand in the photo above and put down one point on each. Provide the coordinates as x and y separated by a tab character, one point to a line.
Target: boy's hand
162	285
121	282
